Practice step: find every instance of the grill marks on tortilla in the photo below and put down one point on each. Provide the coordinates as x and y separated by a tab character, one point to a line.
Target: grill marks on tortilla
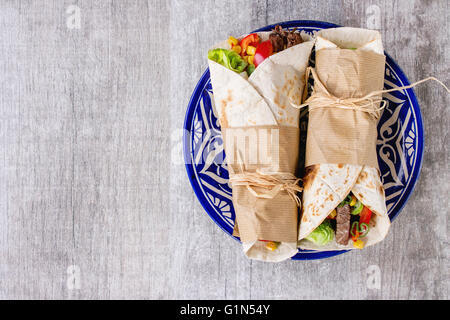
292	83
223	118
330	197
310	174
318	192
363	176
276	99
223	106
287	91
365	179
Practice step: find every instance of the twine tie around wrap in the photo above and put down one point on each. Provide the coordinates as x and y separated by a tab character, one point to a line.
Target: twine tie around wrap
367	103
270	183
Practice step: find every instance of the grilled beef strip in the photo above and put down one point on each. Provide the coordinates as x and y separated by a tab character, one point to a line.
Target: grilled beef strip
293	38
342	224
278	39
282	39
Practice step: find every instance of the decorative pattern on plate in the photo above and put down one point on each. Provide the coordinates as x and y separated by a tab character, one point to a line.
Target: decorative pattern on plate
399	146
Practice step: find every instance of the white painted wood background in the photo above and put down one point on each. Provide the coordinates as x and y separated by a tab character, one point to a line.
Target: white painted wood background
91	172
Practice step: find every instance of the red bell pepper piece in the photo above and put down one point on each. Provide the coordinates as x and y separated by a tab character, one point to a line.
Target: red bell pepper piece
251	39
263	50
365	215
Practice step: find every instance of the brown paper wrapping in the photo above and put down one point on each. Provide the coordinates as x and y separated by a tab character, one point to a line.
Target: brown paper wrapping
339	135
272	219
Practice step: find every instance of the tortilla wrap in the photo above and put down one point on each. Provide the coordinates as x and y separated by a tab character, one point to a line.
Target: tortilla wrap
263	99
326	185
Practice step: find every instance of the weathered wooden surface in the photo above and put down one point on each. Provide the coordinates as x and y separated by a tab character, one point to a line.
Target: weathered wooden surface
91	171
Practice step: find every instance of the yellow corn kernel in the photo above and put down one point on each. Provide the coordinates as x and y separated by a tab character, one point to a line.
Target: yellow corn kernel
358	244
232	41
237	49
251	50
271	245
333	214
250	59
353	202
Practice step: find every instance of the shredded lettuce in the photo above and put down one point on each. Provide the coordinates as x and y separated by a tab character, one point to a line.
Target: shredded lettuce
322	234
228	58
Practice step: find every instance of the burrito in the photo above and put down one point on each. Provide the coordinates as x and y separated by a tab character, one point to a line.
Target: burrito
254	80
343	198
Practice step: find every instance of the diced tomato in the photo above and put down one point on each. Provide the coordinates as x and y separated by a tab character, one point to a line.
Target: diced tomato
263	51
251	39
365	215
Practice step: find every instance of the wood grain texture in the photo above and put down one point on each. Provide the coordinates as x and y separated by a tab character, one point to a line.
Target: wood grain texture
91	169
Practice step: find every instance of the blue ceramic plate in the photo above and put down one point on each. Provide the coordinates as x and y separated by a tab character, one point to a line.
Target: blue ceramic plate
400	146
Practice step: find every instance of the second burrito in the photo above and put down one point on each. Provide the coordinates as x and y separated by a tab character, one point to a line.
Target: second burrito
343	199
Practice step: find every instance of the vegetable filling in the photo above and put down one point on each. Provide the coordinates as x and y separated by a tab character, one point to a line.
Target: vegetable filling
350	220
248	53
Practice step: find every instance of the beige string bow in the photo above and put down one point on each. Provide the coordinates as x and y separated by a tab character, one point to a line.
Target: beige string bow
270	183
368	103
